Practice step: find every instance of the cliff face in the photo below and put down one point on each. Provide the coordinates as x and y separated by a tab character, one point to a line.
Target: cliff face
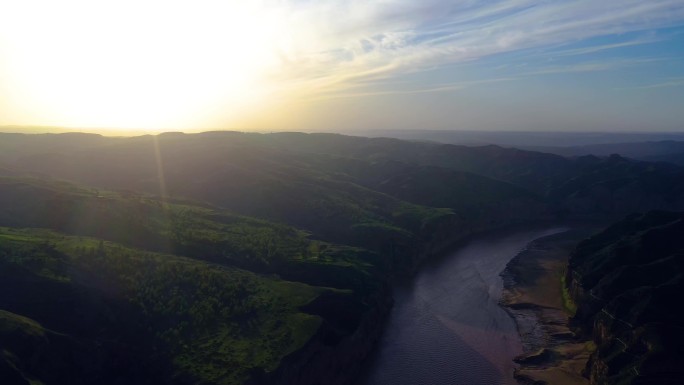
627	282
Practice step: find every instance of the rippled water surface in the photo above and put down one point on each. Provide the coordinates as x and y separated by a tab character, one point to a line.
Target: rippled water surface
446	326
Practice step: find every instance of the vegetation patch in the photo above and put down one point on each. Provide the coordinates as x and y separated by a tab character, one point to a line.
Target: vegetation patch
568	304
216	323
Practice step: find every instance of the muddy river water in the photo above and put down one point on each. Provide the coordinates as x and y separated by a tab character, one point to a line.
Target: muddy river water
446	326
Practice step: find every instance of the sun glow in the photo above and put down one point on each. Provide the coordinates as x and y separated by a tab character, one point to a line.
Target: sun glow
136	64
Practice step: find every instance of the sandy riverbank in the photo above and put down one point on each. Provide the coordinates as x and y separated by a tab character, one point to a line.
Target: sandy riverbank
533	295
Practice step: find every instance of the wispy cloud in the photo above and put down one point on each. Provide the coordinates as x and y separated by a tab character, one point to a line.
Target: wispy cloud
595	66
446	87
674	82
606	47
341	41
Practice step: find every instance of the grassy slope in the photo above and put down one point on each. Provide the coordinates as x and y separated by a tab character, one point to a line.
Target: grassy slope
179	227
215	323
211	242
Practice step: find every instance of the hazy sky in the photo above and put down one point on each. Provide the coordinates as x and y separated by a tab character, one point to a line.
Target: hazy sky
330	65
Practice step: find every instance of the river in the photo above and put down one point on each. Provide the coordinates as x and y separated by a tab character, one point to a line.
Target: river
446	326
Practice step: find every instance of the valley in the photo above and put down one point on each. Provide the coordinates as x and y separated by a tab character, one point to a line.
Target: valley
241	258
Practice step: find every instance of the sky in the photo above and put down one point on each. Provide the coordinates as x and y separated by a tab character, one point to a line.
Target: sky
339	65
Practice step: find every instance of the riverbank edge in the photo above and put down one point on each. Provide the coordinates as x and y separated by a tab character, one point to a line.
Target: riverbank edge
316	363
552	352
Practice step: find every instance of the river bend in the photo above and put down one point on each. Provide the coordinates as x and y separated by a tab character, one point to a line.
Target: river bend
446	326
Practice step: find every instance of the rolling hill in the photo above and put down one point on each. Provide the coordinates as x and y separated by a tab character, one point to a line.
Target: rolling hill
227	258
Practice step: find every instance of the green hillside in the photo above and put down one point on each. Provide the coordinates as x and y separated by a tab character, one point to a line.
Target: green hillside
194	320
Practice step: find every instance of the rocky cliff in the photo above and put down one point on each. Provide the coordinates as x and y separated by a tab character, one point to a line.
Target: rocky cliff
627	282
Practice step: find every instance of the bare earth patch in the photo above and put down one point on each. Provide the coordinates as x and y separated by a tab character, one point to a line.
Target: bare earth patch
533	296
